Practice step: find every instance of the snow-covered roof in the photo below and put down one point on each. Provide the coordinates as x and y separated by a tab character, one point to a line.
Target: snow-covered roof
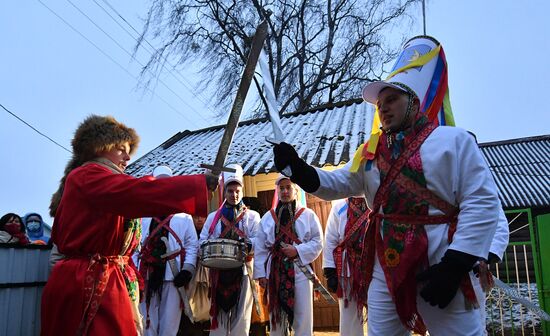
325	136
330	136
521	168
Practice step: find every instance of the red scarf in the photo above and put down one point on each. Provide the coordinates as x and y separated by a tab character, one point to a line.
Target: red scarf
15	231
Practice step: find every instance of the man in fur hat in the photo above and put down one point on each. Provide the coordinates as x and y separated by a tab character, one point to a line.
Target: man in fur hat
433	199
286	233
94	288
231	298
343	265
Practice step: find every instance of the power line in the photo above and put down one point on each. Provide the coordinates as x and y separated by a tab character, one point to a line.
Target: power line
117	63
34	128
131	56
151	50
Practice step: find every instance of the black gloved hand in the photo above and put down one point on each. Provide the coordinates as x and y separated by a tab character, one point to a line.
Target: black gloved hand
332	279
493	258
246	243
284	155
443	279
183	278
303	174
212	181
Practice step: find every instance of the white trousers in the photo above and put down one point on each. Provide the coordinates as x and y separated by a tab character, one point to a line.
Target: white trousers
164	312
453	320
350	322
303	310
240	325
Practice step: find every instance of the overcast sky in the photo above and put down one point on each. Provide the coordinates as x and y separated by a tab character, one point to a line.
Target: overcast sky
52	77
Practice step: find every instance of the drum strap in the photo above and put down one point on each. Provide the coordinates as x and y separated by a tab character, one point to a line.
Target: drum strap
162	224
166	225
232	225
216	218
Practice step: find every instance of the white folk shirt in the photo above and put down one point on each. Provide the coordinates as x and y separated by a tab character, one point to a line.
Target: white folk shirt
182	225
308	230
456	171
335	232
502	235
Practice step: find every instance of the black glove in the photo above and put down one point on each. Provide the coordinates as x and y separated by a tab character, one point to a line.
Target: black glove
183	278
493	259
332	279
247	243
212	181
303	174
443	279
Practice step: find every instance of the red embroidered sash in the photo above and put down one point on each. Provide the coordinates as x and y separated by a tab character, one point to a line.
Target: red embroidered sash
281	279
99	271
352	241
95	282
400	269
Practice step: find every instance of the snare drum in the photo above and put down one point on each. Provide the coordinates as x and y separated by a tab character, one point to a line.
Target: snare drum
222	253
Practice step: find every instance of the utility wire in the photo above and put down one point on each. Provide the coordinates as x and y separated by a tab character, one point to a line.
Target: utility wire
131	56
151	50
34	128
117	63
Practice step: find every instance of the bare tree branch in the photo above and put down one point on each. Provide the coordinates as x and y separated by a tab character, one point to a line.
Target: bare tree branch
319	51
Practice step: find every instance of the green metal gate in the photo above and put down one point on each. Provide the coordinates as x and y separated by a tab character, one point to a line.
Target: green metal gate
520	269
543	234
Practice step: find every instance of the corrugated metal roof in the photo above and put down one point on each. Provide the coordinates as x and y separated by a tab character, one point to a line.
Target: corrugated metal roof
325	136
521	168
330	136
25	271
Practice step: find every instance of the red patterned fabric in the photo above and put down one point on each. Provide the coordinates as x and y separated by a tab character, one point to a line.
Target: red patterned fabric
96	280
349	255
402	250
282	274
